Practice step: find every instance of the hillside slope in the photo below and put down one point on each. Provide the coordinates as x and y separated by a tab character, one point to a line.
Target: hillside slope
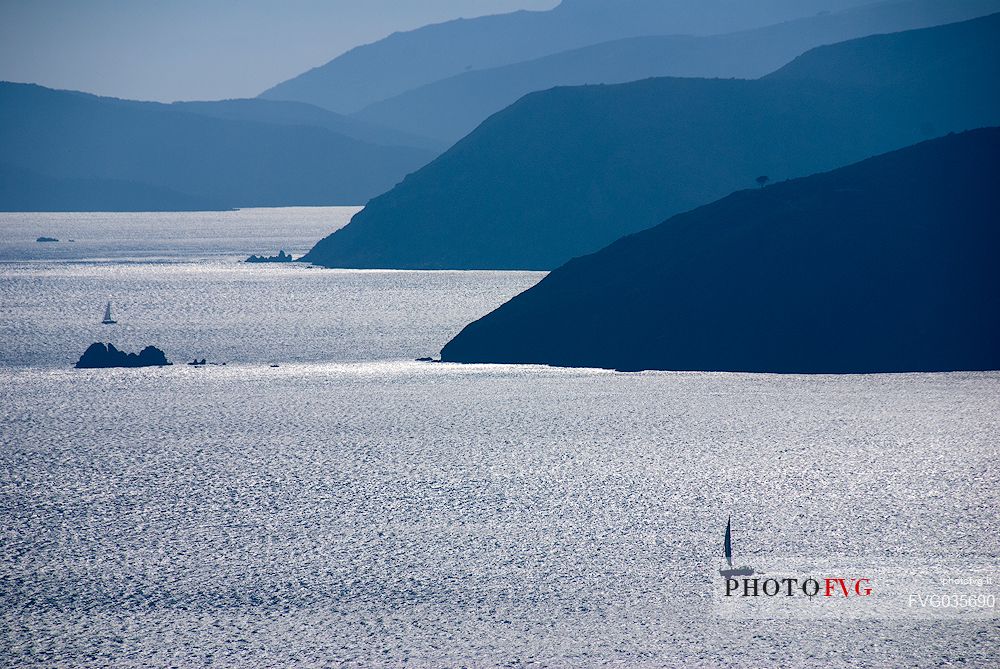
564	172
888	265
451	108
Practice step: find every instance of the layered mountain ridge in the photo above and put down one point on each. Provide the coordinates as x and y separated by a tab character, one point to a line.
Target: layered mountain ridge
405	60
451	108
563	172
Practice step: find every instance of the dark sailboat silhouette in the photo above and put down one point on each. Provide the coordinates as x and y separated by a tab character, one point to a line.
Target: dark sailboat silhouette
728	553
107	320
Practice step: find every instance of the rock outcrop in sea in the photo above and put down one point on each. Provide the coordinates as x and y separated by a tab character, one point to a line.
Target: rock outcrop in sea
100	355
281	257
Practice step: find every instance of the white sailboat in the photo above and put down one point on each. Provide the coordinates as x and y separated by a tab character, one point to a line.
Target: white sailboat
727	551
107	316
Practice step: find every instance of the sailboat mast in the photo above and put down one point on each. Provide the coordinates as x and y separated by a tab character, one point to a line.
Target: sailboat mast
728	549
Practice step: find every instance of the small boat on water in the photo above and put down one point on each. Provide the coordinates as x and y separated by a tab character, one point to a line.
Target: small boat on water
107	316
727	551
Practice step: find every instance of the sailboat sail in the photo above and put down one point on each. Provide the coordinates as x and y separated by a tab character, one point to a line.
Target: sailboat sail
729	542
107	312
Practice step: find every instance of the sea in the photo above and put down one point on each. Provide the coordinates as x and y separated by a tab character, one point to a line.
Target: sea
322	499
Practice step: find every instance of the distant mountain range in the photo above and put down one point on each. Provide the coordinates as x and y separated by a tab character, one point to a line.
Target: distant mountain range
566	171
63	150
888	265
451	108
298	113
407	60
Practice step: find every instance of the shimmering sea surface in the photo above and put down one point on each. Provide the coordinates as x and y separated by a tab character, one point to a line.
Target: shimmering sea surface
351	507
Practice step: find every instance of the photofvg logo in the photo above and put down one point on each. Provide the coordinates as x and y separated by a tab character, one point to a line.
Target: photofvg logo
793	588
758	586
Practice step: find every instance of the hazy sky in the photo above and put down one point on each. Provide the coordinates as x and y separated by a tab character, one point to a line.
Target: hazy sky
201	49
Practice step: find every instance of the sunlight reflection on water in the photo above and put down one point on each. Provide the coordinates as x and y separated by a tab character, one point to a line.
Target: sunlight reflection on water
352	506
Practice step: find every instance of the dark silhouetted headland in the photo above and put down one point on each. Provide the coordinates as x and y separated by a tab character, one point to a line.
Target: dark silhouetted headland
563	172
406	60
453	107
888	265
63	150
100	355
